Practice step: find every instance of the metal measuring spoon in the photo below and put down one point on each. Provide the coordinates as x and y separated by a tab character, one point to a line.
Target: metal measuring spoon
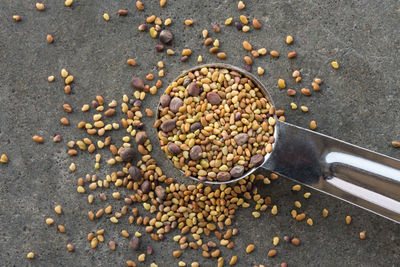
359	176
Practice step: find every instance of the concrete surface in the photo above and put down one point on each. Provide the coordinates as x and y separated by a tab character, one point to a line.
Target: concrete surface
358	103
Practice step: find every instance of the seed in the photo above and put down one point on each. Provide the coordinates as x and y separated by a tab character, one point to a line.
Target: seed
304	108
37	139
30	255
181	264
297	204
335	64
228	21
262	51
275	241
106	17
69	79
307	195
17	17
243	19
293	105
68	3
295	241
72	167
131	62
70	247
61	228
111	245
233	260
396	144
250	248
274	210
281	83
139	5
296	74
166	37
256	214
272	253
260	71
248	60
176	253
64	73
256	24
58	209
188	22
318	81
315	86
49	39
291	92
310	222
296	187
221	55
4	158
313	125
64	121
348	219
199	59
49	221
241	5
306	91
300	217
167	22
292	54
40	6
363	235
247	46
274	53
186	52
325	213
122	12
289	39
130	263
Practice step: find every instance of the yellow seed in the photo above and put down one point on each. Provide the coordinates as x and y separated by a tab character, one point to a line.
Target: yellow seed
4	158
293	105
170	52
106	17
80	189
204	33
396	143
40	6
241	5
243	19
30	255
262	51
363	235
307	195
153	32
275	241
186	52
325	213
335	64
64	73
255	214
313	125
297	204
50	79
233	260
49	221
68	2
142	257
188	22
289	39
199	59
260	71
69	79
138	234
250	248
310	222
304	108
274	210
167	22
58	209
281	83
114	220
296	187
294	214
348	219
228	21
94	242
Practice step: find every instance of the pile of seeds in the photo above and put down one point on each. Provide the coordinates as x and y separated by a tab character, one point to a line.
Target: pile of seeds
215	124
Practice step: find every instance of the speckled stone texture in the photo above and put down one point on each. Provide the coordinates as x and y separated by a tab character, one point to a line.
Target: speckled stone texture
358	103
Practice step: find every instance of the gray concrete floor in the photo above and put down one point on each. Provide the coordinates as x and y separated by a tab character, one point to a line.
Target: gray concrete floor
358	103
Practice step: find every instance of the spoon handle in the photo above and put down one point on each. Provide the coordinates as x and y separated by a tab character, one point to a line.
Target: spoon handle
359	176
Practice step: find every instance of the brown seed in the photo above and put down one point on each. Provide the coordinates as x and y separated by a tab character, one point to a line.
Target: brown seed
256	24
196	152
223	176
149	112
213	98
61	228
292	54
111	245
247	46
137	83
318	81
193	89
135	173
134	243
250	248
295	241
248	60
213	50
64	121
208	41
233	260
109	112
176	253
149	77
67	89
165	99
37	139
127	154
175	104
186	52
139	5
168	125
221	55
396	143
363	235
17	17
237	171
130	263
174	149
162	3
272	253
70	248
122	12
306	91
274	53
131	62
291	92
67	108
49	38
313	125
188	22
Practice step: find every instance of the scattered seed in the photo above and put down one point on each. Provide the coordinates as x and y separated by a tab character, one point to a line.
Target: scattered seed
30	255
260	71
241	5
256	24
250	248
186	52
304	108
272	253
37	139
139	5
130	263
297	204
396	144
61	228
58	209
49	221
221	55
188	22
310	222
49	39
17	18
199	59
274	210
243	19
306	91
70	247
325	213
292	54
228	21
307	195
363	235
281	83
348	219
293	106
295	241
291	92
106	17
4	158
131	62
40	6
313	125
289	39
335	64
176	253
275	241
247	46
274	53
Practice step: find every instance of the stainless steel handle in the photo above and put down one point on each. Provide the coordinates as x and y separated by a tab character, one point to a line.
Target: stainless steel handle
351	173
